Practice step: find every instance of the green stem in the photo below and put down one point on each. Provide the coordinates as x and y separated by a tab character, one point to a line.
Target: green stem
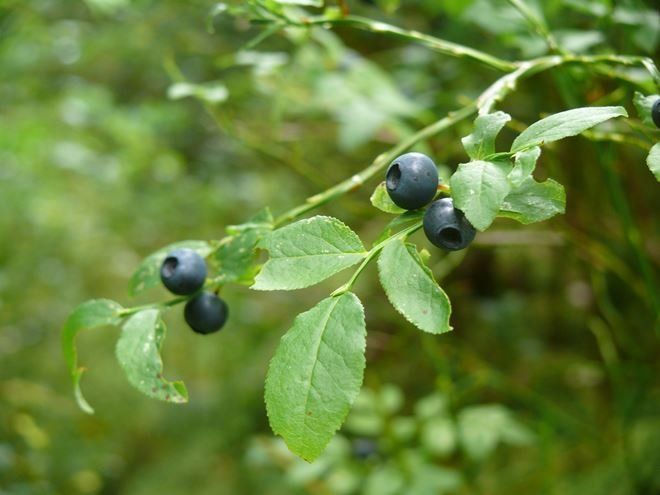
436	44
376	166
373	252
160	305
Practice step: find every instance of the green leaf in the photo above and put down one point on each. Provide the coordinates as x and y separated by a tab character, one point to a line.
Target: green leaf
644	104
90	314
534	201
564	124
478	189
138	353
316	374
653	161
438	436
524	165
210	93
381	200
481	142
307	252
236	256
147	274
482	428
411	288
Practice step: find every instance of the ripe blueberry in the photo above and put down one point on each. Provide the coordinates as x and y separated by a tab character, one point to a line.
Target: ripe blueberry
206	313
412	180
183	272
655	113
447	227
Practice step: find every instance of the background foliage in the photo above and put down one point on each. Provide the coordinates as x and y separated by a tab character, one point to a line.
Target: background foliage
548	384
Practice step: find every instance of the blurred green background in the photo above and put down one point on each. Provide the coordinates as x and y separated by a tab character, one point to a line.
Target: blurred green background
549	382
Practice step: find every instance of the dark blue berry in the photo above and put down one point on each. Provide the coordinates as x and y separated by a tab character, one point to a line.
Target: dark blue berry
206	313
183	272
655	113
447	227
364	448
412	181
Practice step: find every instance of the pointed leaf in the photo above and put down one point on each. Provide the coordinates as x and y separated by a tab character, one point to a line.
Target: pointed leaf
316	374
411	288
564	124
90	314
307	252
524	165
653	161
478	189
147	274
138	353
381	199
481	142
534	201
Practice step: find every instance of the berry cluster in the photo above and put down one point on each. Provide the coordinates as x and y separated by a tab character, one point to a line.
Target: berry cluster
412	182
183	272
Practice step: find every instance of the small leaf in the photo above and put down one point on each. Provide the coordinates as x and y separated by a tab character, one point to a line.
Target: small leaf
307	252
564	124
478	189
316	374
138	353
653	161
147	274
411	288
482	428
534	201
381	200
90	314
481	142
524	165
209	93
236	255
644	104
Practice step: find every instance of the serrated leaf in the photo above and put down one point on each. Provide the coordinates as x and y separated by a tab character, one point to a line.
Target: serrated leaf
534	201
381	199
644	104
138	353
564	124
478	189
481	142
236	256
307	252
524	165
90	314
316	374
411	288
653	161
147	274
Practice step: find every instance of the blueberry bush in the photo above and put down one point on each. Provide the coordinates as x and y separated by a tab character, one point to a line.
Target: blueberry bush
316	374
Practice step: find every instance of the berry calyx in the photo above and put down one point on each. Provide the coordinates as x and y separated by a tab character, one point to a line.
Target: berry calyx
412	180
446	227
183	272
